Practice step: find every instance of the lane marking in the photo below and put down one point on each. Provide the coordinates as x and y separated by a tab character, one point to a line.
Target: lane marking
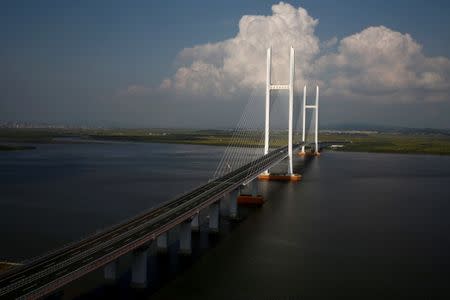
77	252
60	272
86	259
49	264
18	278
96	244
29	287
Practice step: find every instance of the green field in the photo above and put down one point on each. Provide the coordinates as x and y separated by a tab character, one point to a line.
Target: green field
388	142
393	143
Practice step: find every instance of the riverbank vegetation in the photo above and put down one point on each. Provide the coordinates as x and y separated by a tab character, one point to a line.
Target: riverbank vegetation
392	142
15	147
424	142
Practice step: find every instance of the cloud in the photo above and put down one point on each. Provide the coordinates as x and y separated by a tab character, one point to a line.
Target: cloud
330	43
227	67
381	64
376	64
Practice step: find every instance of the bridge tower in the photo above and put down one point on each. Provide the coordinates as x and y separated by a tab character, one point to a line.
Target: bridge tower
290	88
315	107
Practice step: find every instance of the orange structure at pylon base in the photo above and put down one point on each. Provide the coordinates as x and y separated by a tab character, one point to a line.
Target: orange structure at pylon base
280	177
308	154
250	200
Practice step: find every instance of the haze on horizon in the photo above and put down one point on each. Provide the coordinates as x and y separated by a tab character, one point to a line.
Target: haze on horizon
177	64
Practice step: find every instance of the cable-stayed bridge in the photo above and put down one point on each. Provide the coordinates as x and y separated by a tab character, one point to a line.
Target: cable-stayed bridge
252	152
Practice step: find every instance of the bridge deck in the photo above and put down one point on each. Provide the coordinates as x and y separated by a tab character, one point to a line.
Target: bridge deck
53	270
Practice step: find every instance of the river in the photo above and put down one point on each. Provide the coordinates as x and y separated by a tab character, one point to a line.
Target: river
358	224
60	192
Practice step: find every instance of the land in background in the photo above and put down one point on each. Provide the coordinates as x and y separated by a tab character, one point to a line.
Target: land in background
424	141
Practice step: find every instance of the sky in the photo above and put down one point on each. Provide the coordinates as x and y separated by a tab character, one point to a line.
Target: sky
196	63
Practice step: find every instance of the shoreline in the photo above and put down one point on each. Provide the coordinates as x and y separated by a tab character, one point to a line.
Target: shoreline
377	142
7	148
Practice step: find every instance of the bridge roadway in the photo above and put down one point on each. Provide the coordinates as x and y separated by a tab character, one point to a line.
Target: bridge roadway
45	274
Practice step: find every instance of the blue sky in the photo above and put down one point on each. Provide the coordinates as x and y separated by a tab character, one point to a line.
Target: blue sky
63	60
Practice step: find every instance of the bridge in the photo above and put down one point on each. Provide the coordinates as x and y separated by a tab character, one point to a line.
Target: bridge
48	273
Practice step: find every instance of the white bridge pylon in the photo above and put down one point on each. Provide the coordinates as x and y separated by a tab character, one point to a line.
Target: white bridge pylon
290	88
315	107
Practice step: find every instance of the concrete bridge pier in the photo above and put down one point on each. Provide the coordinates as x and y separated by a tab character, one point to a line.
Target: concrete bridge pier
254	188
214	210
195	226
110	271
252	198
161	242
185	238
233	203
139	268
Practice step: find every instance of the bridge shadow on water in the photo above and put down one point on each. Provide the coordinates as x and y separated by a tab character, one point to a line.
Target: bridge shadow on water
165	267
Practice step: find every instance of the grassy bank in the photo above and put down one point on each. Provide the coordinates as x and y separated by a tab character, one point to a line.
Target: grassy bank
393	143
15	147
387	142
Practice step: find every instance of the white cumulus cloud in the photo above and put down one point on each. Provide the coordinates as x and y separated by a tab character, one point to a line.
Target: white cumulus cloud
238	63
375	64
379	63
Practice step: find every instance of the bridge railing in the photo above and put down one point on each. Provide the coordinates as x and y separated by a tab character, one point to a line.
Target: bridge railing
243	174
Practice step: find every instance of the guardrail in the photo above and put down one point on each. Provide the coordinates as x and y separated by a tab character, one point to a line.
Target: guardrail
208	193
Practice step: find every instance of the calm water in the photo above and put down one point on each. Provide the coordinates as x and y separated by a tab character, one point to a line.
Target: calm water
59	193
362	225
